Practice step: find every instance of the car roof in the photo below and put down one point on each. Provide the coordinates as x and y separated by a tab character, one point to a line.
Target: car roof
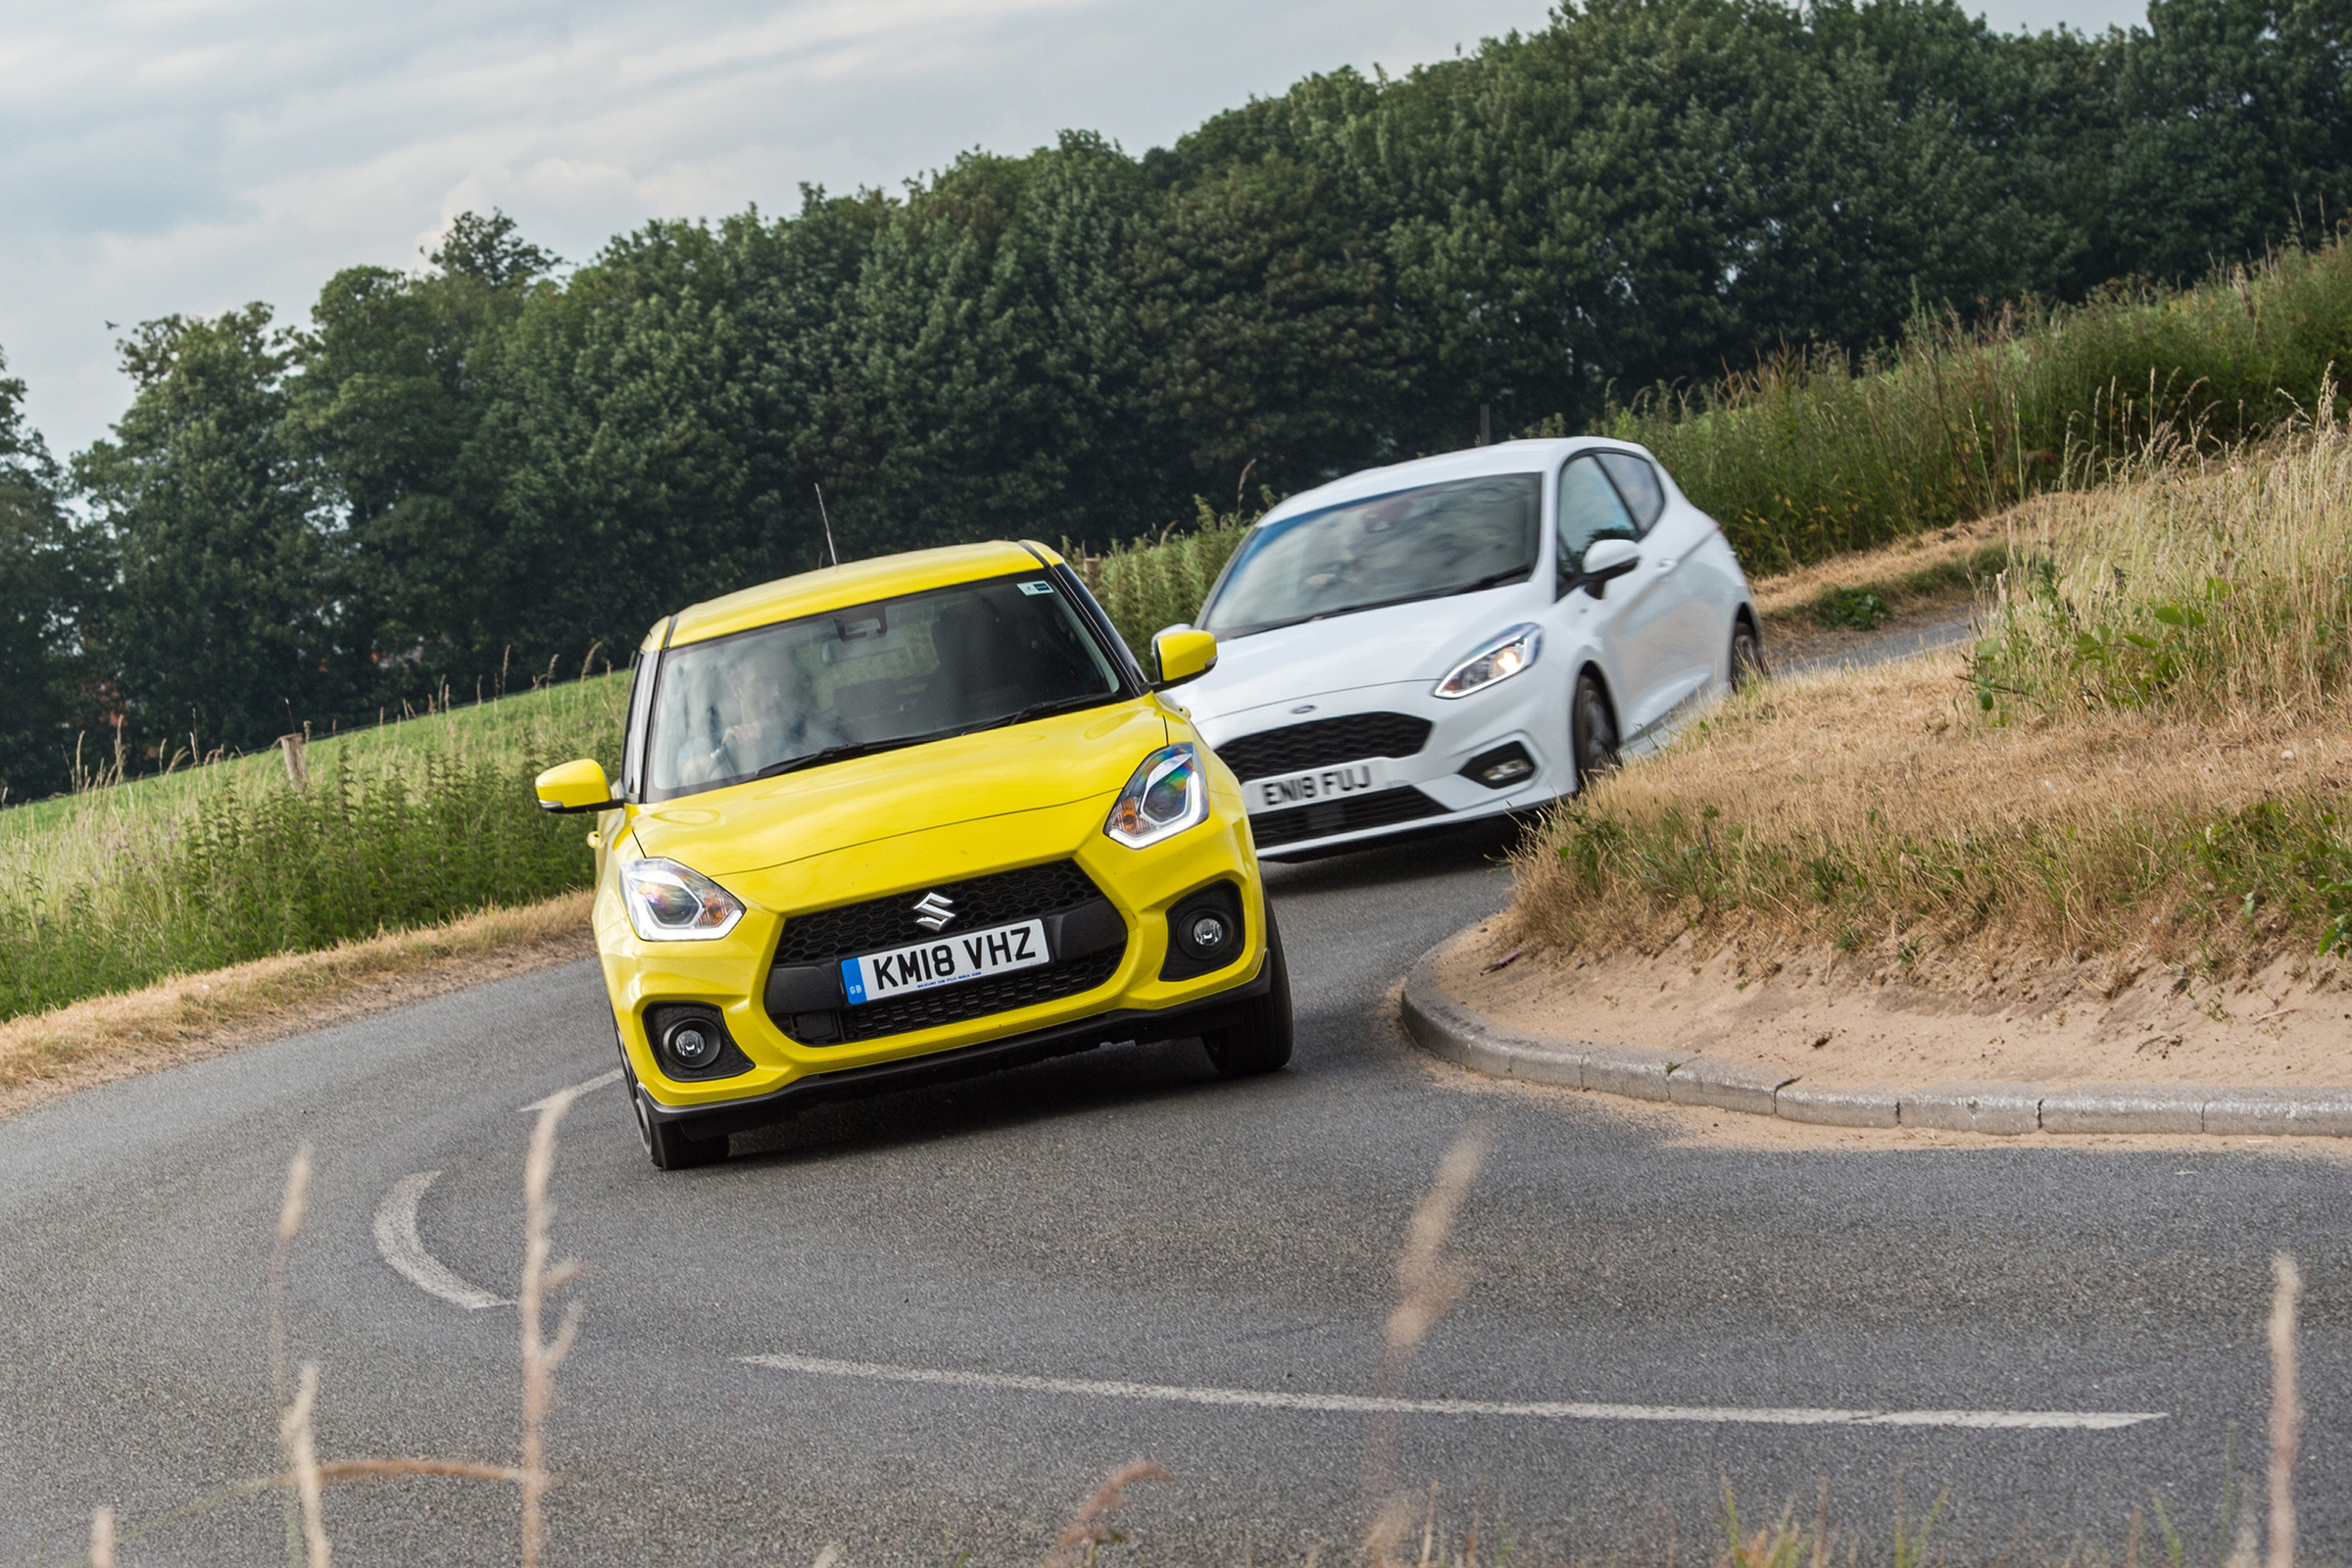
854	582
1502	457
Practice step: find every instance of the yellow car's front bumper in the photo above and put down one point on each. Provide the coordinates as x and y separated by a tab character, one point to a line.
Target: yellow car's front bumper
785	1073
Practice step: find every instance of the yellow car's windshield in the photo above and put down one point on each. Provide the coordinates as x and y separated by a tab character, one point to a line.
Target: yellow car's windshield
870	678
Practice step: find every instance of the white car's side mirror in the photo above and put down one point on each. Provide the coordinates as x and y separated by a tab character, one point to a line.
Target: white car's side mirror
1605	558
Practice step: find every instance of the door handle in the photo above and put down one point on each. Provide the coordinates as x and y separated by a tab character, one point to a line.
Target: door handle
1665	563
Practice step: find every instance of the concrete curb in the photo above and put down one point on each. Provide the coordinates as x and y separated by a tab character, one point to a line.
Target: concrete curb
1444	1027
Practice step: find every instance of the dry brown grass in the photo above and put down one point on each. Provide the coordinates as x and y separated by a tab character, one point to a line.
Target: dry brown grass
182	1020
1935	566
1875	808
2148	756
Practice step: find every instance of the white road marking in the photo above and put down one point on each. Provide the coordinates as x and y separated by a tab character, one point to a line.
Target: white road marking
1537	1409
597	1082
397	1239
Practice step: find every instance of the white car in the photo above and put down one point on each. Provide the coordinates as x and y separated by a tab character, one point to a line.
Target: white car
1461	636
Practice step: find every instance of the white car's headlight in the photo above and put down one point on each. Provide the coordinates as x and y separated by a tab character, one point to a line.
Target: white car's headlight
1497	658
673	903
1167	796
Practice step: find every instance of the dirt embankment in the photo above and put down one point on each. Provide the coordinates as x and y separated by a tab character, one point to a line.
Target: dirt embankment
1837	1019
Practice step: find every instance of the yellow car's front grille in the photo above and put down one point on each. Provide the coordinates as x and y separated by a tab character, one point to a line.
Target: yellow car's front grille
977	999
876	925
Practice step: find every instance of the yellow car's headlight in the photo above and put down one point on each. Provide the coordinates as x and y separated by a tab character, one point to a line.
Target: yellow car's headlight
673	903
1167	796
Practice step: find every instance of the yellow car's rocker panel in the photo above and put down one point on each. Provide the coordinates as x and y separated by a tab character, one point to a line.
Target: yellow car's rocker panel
856	911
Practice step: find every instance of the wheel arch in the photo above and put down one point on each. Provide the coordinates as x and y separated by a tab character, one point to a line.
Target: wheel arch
1744	613
1591	666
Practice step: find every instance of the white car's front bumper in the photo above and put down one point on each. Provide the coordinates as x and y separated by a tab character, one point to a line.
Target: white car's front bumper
1425	788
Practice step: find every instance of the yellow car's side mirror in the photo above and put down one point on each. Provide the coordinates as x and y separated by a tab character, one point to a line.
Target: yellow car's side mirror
575	787
1183	654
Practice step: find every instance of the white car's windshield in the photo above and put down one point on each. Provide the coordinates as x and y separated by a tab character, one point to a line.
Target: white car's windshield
870	678
1414	544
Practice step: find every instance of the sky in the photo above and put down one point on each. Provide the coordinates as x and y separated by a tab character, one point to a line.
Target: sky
188	156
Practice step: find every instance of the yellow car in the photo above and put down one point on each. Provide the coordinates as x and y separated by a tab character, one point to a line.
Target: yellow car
907	820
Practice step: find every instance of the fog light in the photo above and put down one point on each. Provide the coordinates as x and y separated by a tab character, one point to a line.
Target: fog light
690	1040
1501	768
1204	932
693	1043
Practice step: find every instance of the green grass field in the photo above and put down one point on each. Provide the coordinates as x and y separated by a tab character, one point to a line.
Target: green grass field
404	824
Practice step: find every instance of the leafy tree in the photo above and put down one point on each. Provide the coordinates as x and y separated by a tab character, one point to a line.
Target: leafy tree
988	365
226	621
1275	350
47	576
648	423
2236	130
482	467
393	387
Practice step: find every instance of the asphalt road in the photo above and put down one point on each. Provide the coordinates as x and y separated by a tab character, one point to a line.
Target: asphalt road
1121	1217
1926	636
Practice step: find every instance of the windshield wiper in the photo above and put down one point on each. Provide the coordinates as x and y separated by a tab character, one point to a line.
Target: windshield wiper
849	749
1060	704
841	754
1493	579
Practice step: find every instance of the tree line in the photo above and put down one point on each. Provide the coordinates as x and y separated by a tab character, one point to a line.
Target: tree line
471	472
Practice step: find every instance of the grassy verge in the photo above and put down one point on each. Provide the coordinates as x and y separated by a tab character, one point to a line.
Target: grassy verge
2146	758
398	828
1805	458
1859	591
104	1037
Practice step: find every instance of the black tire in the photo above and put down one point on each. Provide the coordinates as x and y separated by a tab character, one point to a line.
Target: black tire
1261	1040
1593	723
666	1143
1748	654
667	1147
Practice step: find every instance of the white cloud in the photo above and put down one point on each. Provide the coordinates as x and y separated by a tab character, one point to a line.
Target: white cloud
161	156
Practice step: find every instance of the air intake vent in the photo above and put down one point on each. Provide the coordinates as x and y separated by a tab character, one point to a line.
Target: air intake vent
1348	814
1349	738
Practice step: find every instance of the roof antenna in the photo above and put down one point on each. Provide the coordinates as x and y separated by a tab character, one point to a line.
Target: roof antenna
821	512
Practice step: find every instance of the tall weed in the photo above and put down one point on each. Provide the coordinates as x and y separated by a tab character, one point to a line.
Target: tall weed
410	826
1150	584
1811	453
2224	588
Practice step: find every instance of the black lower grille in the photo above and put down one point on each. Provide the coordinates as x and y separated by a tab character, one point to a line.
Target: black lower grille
977	999
1348	814
1349	738
878	925
980	903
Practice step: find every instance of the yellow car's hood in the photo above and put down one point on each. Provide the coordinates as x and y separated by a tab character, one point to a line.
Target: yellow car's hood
838	805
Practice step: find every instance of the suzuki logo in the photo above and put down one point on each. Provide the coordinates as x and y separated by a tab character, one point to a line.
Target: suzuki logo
933	912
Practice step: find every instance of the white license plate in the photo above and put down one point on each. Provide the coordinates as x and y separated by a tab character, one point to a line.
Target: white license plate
943	962
1314	784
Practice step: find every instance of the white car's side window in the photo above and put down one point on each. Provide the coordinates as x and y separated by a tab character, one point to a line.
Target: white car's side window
1589	509
1637	483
